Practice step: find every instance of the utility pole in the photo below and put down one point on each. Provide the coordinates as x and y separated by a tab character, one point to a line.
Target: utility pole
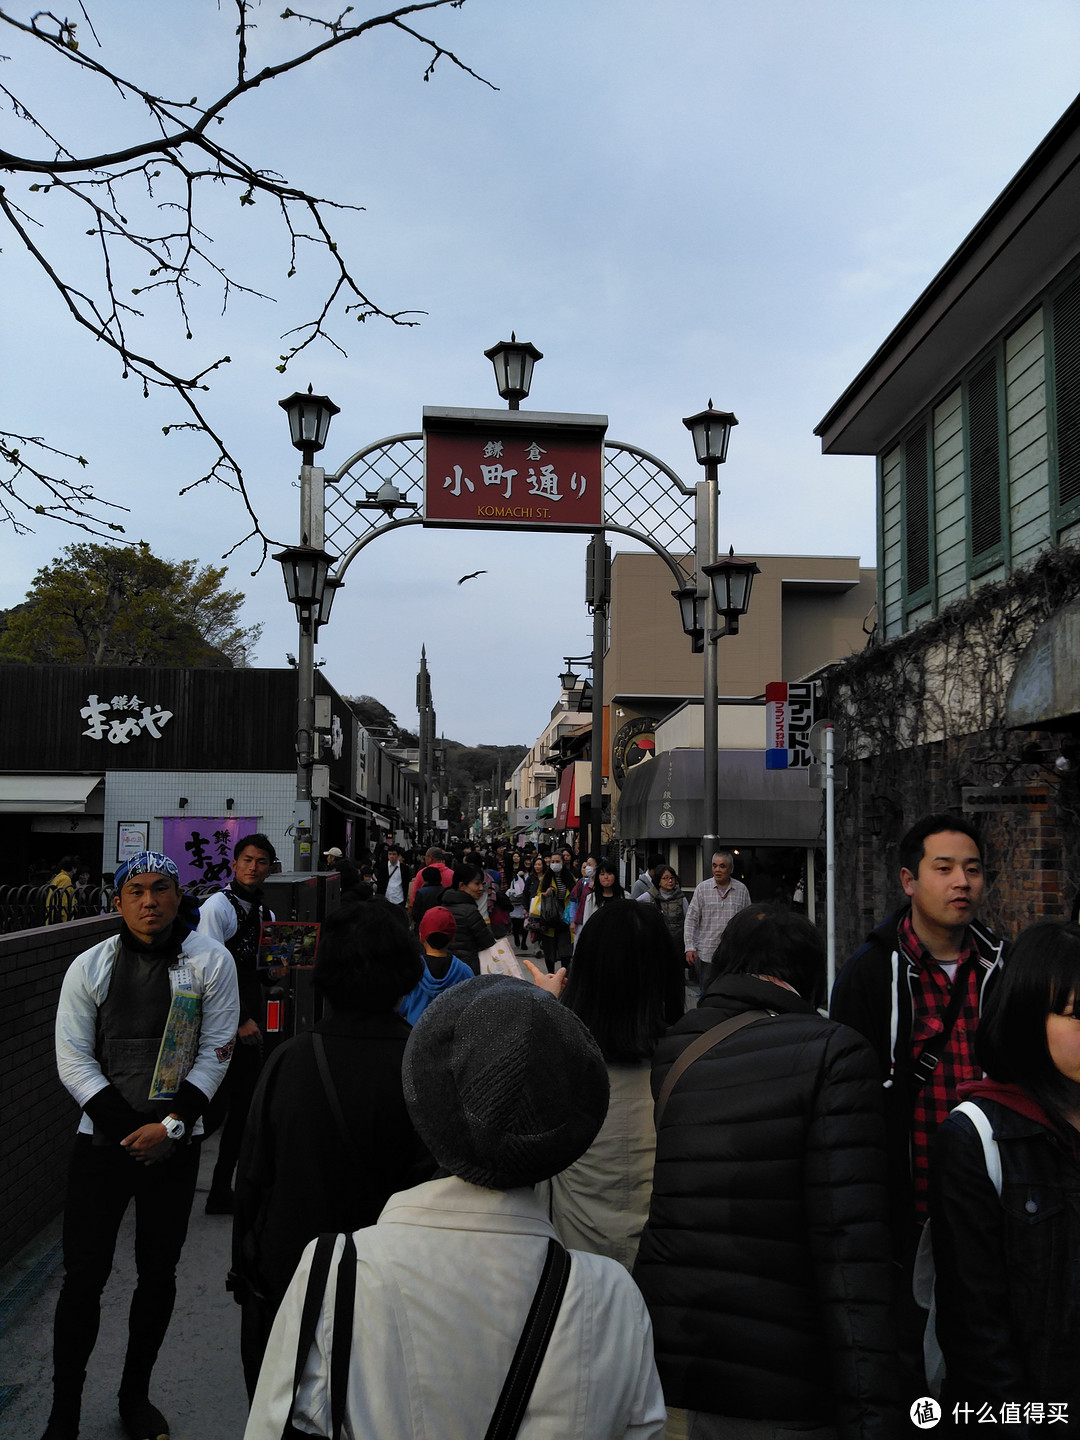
598	598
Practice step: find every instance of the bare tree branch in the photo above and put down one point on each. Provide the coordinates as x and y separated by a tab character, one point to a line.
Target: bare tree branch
163	176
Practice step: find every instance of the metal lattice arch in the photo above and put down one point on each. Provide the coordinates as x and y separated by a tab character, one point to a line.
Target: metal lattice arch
643	499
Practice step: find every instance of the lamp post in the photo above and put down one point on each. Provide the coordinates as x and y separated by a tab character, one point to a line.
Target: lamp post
711	430
513	360
306	569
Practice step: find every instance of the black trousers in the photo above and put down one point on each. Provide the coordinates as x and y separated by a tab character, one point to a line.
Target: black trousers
236	1089
102	1182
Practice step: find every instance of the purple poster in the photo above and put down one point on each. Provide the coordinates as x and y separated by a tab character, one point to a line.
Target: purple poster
202	845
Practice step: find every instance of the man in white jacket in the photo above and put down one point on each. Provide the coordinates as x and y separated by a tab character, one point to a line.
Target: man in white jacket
144	1031
506	1087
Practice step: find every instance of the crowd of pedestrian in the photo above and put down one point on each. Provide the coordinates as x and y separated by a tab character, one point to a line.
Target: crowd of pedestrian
668	1186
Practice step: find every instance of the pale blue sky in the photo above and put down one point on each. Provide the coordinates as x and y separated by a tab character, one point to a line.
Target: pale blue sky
672	201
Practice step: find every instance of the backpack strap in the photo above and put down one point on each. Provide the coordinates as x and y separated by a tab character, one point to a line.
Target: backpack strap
525	1366
698	1047
991	1154
341	1338
309	1317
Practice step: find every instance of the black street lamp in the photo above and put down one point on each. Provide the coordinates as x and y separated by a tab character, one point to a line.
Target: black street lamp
711	430
305	570
309	421
731	579
692	613
513	360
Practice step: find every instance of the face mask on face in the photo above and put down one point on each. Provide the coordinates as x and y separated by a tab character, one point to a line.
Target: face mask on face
556	866
589	871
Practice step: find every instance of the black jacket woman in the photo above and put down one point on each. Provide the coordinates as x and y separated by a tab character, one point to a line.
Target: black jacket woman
299	1175
1008	1264
473	931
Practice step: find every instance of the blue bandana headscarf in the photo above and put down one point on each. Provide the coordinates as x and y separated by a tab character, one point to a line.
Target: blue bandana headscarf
147	862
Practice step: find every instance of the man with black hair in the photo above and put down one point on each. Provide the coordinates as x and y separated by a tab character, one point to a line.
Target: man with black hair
234	917
916	989
144	1031
392	876
647	883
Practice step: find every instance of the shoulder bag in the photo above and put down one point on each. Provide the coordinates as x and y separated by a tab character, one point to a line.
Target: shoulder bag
699	1047
520	1379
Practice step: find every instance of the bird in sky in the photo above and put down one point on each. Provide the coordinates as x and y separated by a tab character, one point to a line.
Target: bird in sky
472	576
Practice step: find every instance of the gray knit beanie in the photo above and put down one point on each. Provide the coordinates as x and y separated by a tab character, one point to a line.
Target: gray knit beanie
505	1086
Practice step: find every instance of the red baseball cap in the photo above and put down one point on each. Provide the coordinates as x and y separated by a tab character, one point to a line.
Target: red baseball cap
438	921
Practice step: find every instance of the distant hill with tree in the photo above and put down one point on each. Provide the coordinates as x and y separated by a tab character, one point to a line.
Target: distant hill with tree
124	605
467	766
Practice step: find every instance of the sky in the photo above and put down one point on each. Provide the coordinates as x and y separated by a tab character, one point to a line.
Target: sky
677	202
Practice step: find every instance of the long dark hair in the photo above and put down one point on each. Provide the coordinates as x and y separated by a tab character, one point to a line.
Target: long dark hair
1041	978
627	980
600	896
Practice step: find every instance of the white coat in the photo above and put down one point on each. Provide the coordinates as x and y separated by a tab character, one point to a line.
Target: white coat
444	1283
209	971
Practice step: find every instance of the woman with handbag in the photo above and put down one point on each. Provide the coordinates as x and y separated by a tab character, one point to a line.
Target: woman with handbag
531	901
553	893
516	891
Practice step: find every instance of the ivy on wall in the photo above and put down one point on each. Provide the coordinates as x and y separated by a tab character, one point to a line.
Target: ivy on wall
950	675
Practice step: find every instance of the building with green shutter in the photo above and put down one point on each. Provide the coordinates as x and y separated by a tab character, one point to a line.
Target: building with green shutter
970	699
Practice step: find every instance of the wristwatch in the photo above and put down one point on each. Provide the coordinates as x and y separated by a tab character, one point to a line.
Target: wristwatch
175	1129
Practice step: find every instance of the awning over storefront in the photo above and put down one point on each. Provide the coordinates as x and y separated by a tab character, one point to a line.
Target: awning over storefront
547	809
46	794
662	800
356	807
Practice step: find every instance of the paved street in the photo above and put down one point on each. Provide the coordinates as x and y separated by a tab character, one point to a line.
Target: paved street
198	1383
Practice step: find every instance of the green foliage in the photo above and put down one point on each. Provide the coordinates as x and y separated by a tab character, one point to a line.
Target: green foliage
123	605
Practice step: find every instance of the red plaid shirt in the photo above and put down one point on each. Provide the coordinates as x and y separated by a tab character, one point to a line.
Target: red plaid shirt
931	991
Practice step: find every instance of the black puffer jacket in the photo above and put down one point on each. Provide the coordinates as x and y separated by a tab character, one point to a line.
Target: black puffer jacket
473	931
764	1262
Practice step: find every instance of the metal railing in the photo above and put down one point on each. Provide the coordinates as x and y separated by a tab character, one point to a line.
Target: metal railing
25	907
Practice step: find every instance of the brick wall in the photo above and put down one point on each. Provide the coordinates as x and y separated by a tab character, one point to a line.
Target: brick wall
1032	853
39	1117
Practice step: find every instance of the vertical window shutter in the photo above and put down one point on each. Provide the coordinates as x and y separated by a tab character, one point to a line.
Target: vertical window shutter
917	512
1067	391
984	459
